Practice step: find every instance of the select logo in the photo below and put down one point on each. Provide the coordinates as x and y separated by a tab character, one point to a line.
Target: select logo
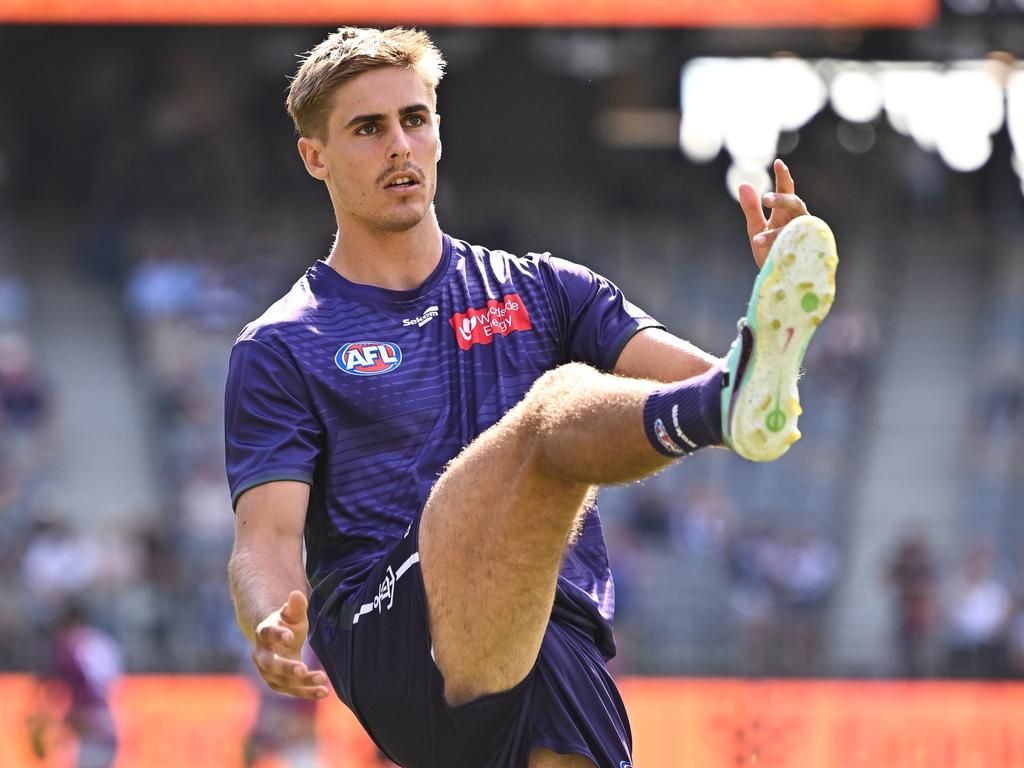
498	318
423	319
368	358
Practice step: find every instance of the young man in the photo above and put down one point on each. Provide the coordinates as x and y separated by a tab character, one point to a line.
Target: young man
431	418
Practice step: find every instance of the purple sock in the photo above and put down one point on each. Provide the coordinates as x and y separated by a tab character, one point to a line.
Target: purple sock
686	416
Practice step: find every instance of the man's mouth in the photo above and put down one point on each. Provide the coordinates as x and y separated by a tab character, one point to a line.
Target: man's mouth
404	180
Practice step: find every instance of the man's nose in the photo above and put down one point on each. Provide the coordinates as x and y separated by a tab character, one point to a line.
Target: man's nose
398	146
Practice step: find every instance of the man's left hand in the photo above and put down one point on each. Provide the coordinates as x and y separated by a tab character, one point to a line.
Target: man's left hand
783	204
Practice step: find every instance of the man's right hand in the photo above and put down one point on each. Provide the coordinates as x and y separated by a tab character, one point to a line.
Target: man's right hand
277	651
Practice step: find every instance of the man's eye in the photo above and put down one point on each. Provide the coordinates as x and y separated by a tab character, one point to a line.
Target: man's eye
415	121
367	129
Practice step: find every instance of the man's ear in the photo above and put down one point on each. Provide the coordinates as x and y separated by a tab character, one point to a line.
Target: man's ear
438	118
311	150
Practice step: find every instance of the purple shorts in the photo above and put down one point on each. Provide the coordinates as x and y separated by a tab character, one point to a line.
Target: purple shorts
376	649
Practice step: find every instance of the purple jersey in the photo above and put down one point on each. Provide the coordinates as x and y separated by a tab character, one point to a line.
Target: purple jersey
367	393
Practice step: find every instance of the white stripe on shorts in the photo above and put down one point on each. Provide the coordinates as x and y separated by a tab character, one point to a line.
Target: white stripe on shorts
366	608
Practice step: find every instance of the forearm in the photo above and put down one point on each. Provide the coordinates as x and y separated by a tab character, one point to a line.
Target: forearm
260	581
657	355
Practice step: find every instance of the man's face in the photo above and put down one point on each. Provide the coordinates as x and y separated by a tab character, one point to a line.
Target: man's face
381	150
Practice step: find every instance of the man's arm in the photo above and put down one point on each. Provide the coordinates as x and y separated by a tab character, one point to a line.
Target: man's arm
656	354
269	587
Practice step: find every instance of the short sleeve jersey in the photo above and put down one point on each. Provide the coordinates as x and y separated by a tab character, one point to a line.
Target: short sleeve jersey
367	393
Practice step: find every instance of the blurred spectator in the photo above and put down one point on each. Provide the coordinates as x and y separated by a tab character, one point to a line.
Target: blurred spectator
163	286
24	404
753	559
223	305
704	519
979	615
58	562
846	353
152	605
912	576
650	513
807	568
206	506
1002	401
13	526
14	301
87	661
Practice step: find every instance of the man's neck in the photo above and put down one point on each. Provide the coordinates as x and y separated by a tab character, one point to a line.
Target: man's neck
398	261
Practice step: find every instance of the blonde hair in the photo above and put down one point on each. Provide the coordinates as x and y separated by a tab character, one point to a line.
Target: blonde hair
349	52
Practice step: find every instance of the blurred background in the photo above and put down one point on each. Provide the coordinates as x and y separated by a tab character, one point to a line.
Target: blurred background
152	202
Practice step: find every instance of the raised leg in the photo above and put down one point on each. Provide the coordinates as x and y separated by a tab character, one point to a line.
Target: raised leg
497	523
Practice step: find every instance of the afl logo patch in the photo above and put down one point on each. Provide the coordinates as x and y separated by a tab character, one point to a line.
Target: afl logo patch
368	358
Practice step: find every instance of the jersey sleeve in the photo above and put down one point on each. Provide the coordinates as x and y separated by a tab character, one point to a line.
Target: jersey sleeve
596	319
270	429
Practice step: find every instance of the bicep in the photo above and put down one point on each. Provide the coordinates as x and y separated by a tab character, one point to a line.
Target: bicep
654	353
272	515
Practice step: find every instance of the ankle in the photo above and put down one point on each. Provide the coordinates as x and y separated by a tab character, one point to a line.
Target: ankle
683	417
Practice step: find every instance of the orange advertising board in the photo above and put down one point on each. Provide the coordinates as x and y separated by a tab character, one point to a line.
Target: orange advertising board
811	724
636	13
32	734
163	721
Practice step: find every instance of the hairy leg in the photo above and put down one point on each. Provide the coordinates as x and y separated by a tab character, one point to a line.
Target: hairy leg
497	523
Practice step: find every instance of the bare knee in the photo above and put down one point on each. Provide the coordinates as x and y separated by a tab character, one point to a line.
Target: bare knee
546	406
547	397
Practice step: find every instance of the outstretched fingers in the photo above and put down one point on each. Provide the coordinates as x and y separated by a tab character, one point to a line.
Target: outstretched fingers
289	676
784	205
277	651
790	205
784	183
783	202
271	635
764	241
750	204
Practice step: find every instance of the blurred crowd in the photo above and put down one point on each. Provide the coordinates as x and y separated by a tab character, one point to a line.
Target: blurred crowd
968	623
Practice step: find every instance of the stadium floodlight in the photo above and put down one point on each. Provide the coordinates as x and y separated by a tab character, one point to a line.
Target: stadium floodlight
964	152
900	81
702	128
802	92
978	91
717	109
926	108
971	112
856	93
953	109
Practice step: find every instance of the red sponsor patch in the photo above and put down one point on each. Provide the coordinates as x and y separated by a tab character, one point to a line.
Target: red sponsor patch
498	318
